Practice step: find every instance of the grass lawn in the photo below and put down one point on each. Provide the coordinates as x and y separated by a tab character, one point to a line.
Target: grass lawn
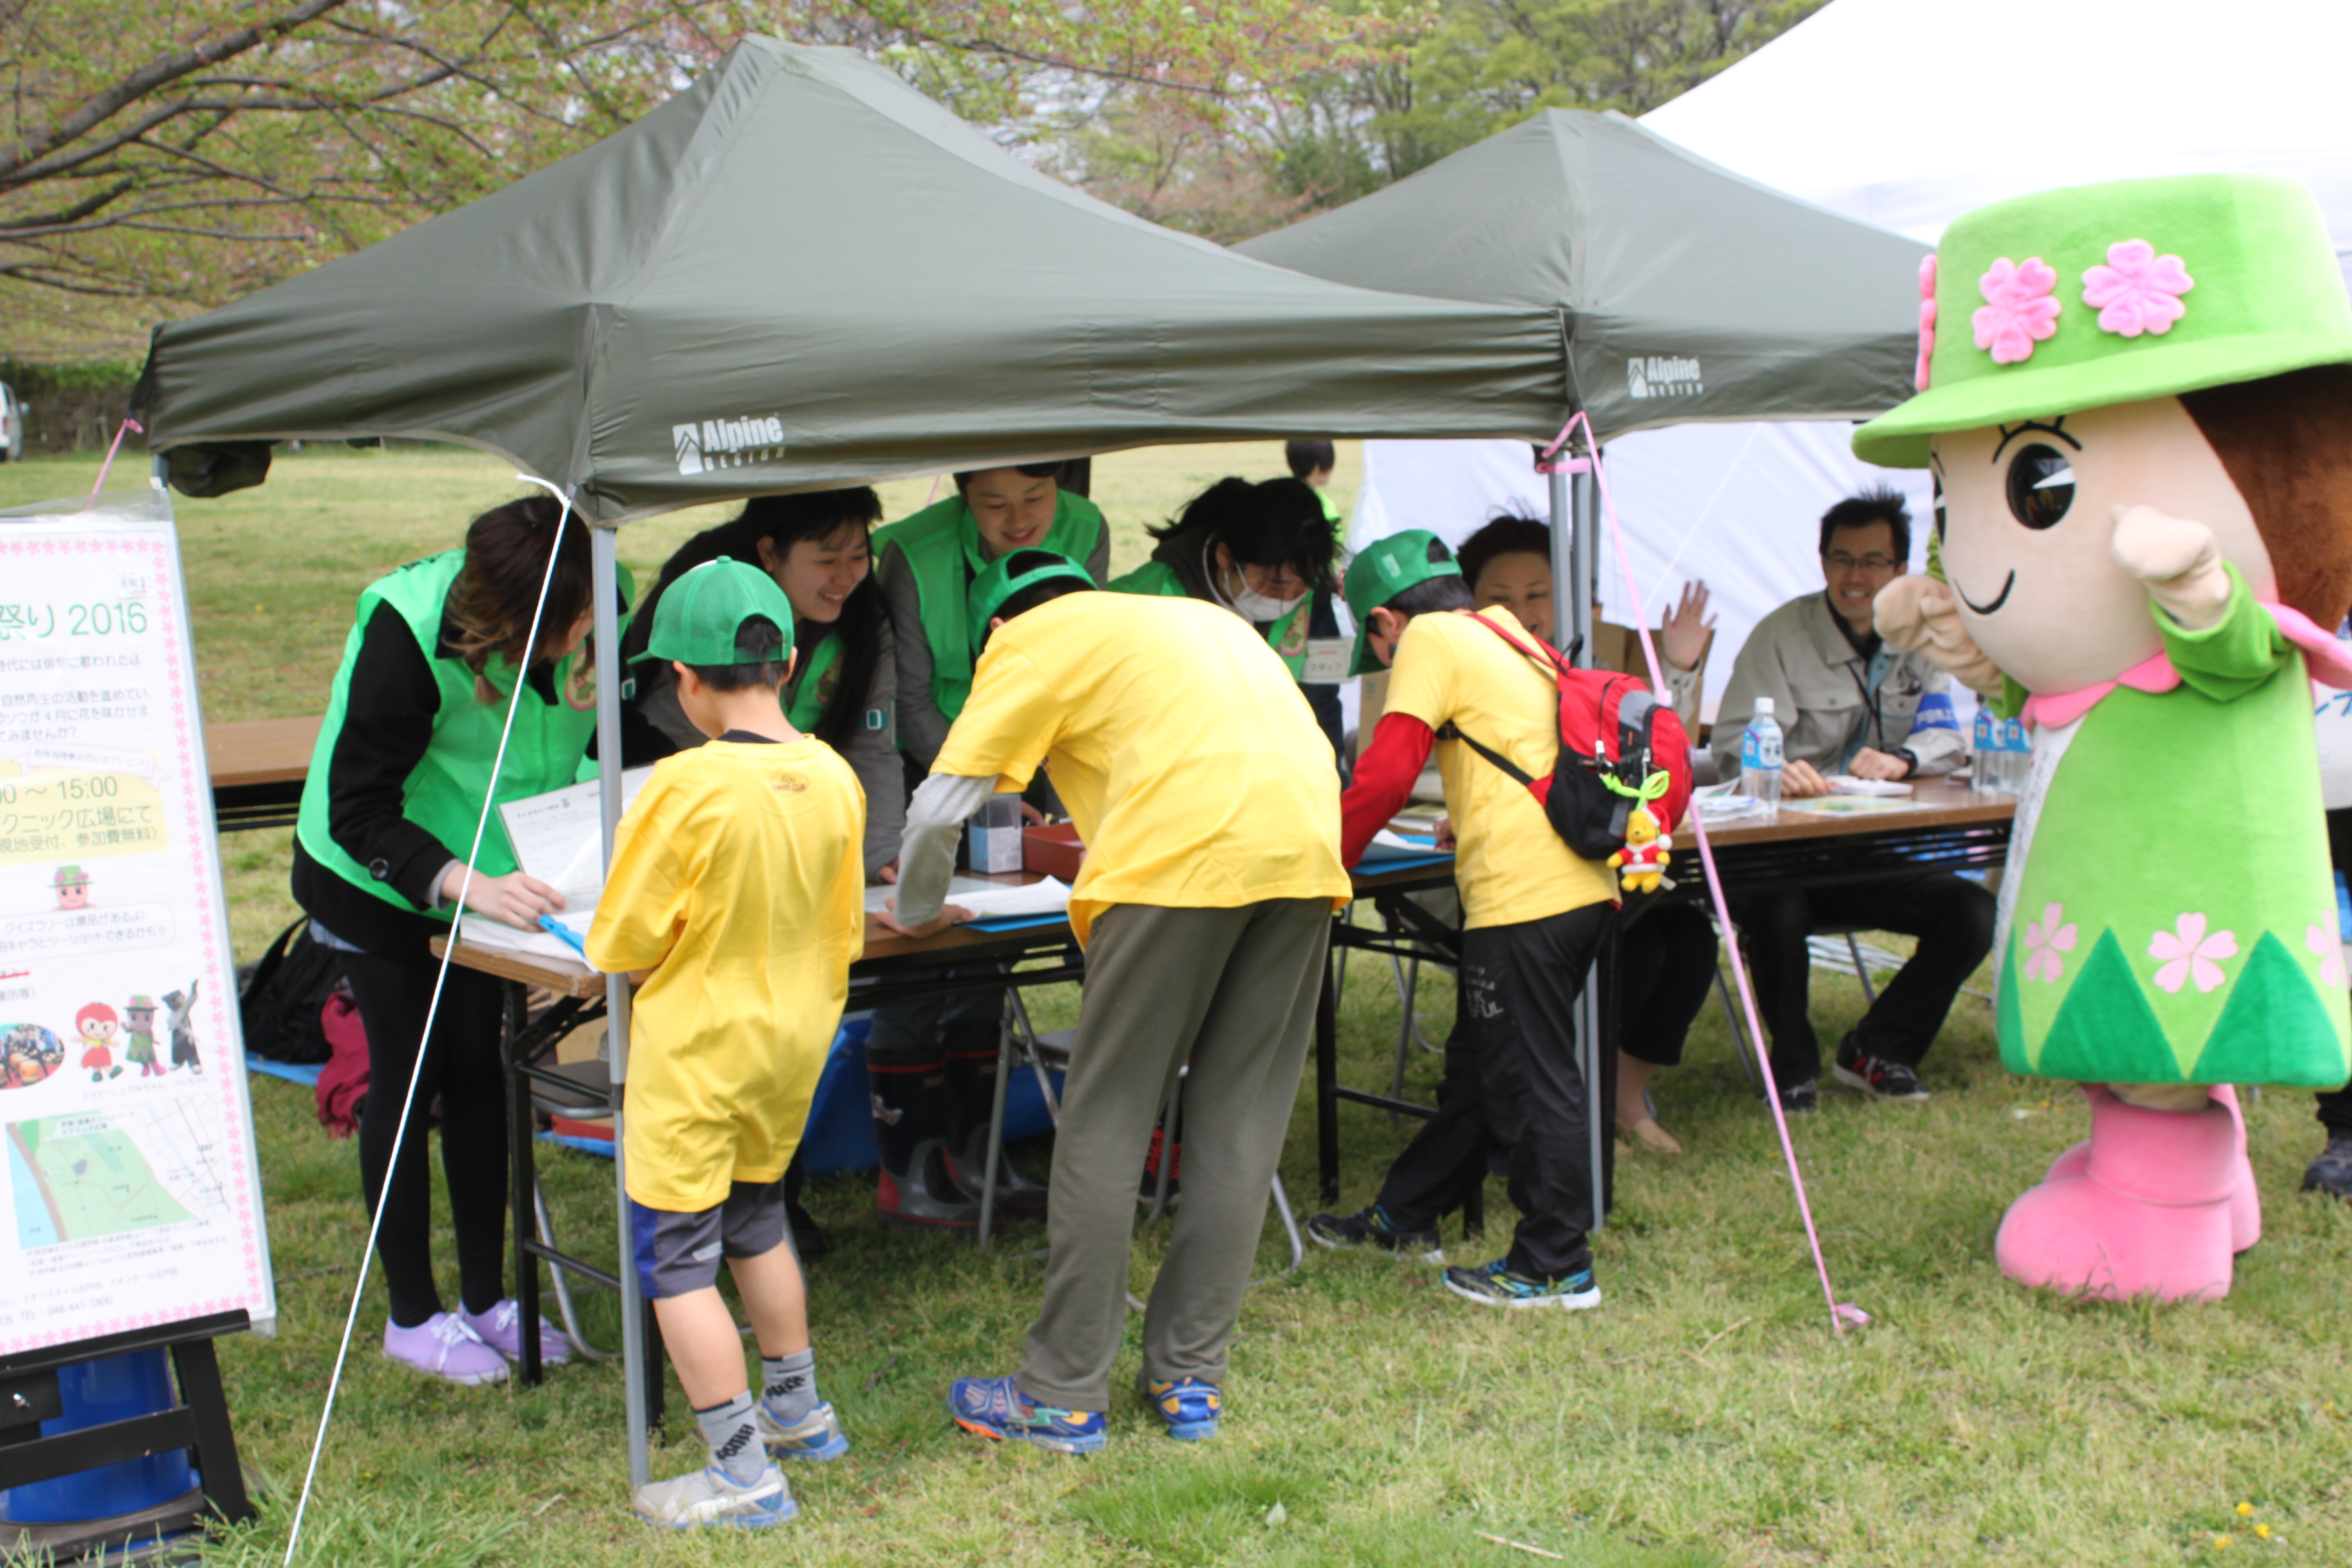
1705	1414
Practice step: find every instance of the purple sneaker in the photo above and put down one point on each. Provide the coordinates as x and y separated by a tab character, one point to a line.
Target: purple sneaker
443	1347
501	1328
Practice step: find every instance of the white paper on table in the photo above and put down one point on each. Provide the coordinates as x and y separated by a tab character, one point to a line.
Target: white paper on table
558	837
1723	803
481	930
1389	846
878	897
1847	784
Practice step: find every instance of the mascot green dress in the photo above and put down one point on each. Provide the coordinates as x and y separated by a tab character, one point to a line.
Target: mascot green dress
2136	400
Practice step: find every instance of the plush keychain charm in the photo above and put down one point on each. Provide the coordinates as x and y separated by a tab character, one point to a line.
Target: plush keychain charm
2136	400
1640	866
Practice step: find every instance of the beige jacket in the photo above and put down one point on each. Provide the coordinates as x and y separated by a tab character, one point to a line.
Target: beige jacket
1798	657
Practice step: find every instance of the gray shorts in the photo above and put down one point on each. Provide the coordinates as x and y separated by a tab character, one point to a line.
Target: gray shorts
678	1254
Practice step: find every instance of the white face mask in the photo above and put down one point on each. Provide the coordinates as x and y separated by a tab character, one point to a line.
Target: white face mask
1253	606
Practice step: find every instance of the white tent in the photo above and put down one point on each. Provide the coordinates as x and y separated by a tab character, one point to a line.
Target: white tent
1905	114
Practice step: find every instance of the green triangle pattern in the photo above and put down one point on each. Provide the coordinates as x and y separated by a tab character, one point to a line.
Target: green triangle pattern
2275	1029
2106	1032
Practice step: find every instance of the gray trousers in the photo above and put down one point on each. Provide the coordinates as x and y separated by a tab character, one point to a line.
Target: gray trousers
1233	991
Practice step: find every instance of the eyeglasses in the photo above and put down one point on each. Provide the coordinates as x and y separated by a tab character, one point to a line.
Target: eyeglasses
1838	561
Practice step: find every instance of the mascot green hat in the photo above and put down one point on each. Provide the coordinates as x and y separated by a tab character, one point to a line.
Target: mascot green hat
2106	294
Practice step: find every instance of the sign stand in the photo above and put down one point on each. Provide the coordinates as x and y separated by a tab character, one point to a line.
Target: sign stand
199	1423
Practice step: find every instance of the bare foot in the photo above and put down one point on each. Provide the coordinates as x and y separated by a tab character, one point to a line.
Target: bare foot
1652	1136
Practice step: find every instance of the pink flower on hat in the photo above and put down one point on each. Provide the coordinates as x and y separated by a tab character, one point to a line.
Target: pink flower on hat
2138	290
1926	319
2020	309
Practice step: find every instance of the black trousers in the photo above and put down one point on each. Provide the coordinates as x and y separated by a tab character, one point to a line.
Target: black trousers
1514	1095
1666	966
461	1067
2335	1105
1951	917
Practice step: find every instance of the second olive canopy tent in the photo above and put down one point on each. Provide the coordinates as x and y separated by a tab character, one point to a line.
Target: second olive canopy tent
800	272
796	274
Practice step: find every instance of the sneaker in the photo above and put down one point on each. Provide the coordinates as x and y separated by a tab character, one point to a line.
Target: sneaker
1190	1407
1373	1224
2331	1172
442	1346
816	1436
1877	1077
1801	1098
1496	1285
709	1497
501	1328
993	1408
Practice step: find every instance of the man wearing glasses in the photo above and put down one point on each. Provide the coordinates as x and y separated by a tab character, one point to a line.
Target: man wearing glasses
1848	704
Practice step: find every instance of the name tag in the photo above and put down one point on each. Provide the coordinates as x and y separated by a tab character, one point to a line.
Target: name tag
1327	660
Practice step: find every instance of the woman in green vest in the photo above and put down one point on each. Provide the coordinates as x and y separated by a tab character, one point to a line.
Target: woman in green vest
396	789
931	1065
927	564
815	545
1263	552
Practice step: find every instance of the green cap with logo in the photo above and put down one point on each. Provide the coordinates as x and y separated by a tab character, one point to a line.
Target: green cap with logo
700	613
2104	294
1007	576
1382	570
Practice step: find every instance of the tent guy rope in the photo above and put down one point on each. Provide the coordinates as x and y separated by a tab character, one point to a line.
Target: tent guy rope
432	1010
1842	1313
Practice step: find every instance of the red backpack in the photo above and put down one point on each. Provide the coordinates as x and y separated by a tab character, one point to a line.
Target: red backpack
1638	753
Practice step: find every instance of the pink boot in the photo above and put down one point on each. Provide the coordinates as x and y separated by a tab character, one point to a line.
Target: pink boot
2149	1215
2245	1202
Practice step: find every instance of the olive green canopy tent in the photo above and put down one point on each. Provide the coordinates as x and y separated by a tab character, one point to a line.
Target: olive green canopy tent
1690	292
801	272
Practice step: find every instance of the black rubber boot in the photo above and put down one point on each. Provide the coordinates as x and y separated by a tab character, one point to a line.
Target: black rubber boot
2331	1172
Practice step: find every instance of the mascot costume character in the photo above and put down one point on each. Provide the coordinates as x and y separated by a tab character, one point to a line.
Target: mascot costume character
2137	402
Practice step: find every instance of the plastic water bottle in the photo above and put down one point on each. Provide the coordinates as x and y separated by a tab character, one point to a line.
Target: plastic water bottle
2017	748
1985	754
1759	757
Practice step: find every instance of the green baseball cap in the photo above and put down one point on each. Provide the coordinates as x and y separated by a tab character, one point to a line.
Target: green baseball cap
1007	576
1382	570
2113	293
699	614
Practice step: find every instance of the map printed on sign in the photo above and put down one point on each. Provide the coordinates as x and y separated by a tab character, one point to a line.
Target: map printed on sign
130	1196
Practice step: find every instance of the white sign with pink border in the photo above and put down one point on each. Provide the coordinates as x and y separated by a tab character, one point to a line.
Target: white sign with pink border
129	1193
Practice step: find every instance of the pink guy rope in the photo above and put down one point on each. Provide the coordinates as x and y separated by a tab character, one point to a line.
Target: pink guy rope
108	467
1841	1312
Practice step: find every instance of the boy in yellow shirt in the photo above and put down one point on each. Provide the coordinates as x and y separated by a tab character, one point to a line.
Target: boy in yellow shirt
1533	913
1204	792
737	881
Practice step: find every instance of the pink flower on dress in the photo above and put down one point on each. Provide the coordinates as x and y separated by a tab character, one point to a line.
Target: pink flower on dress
2322	940
2019	312
2045	939
2138	290
2186	953
1926	319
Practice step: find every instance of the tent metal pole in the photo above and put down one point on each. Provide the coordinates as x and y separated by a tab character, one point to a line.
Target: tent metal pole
1563	559
1575	531
603	543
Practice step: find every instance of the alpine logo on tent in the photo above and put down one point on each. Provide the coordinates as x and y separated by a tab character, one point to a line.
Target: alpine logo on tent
1663	375
716	444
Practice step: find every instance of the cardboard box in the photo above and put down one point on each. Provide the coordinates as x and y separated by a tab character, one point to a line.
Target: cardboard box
1053	851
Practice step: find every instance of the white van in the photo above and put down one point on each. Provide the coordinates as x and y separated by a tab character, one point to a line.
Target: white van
12	425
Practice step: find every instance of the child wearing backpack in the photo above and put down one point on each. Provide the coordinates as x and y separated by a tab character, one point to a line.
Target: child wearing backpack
737	881
1534	913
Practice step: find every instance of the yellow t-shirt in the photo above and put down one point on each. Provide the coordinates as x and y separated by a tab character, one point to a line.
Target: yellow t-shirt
1185	751
738	873
1509	862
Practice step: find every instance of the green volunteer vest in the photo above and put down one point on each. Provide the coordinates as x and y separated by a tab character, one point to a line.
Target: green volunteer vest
444	793
815	689
1286	636
941	544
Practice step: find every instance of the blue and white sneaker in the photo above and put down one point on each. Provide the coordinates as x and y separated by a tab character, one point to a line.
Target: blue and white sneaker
993	1407
708	1496
1496	1286
1190	1406
816	1436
